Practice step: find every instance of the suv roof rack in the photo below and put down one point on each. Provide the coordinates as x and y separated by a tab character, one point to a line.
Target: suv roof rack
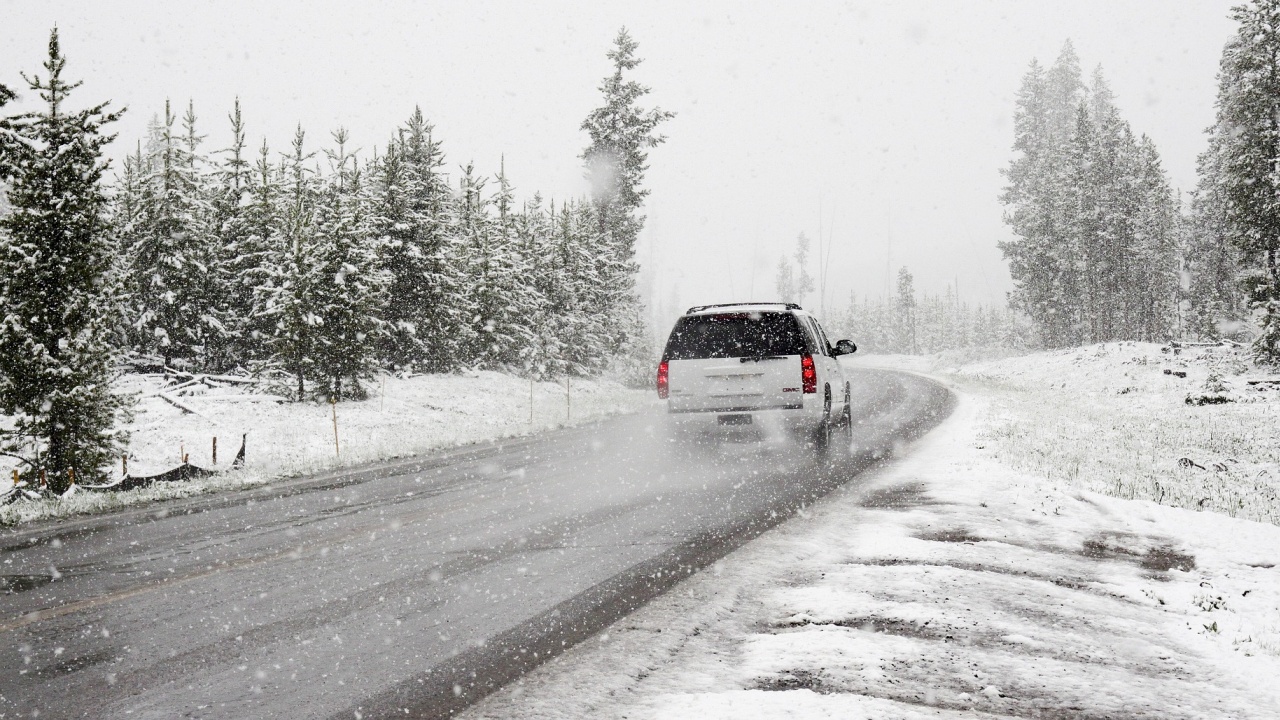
700	308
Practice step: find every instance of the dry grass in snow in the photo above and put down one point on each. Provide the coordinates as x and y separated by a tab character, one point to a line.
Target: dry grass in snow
1108	418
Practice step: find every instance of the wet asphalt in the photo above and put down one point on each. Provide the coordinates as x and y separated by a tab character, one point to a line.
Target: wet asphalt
409	589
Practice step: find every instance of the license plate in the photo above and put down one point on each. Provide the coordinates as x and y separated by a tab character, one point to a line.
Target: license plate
735	419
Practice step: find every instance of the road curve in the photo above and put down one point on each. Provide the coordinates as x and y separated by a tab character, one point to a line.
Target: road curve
407	589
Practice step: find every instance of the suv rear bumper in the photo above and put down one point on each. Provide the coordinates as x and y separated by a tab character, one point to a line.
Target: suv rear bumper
735	420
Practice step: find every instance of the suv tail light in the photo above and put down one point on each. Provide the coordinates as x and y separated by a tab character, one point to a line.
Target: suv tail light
662	380
808	374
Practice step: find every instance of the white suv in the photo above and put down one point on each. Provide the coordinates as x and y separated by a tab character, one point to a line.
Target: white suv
754	366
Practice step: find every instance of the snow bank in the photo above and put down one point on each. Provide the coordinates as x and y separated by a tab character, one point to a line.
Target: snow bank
403	417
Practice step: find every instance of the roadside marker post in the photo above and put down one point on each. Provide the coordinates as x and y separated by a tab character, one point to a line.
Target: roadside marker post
215	449
568	413
333	405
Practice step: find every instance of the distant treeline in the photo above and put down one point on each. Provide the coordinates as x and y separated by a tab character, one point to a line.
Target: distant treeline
928	324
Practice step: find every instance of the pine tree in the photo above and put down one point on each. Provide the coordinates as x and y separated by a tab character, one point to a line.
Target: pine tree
484	299
289	295
350	287
1154	267
59	289
804	281
784	281
1246	143
621	133
412	210
235	254
905	313
1036	210
511	298
1212	262
534	231
259	263
173	284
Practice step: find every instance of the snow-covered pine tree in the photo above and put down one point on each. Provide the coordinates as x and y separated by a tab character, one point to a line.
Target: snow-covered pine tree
511	282
1247	142
349	291
804	281
621	134
1154	269
171	289
1212	261
588	272
1035	210
59	287
1104	216
289	293
535	231
784	281
484	298
905	313
258	268
413	209
235	267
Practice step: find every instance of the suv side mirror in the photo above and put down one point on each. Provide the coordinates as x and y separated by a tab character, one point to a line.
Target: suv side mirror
846	347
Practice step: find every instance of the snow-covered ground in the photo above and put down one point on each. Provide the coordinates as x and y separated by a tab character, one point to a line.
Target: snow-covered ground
1014	564
402	417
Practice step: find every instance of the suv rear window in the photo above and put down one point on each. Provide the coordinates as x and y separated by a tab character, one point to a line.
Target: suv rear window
729	335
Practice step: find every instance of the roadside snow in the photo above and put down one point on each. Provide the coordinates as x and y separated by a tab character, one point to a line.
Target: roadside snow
402	418
966	581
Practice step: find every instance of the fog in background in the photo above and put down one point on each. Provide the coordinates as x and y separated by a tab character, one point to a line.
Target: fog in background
881	128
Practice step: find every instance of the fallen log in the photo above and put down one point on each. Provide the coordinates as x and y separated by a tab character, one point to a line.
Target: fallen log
248	397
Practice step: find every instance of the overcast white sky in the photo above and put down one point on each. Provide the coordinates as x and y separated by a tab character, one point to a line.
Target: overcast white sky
868	118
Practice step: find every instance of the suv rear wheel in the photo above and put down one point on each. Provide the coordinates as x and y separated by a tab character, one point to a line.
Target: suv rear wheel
822	434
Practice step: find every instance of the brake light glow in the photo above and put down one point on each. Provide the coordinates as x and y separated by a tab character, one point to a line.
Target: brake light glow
808	374
662	380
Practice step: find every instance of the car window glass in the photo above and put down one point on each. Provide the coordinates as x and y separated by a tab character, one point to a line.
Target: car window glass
826	342
726	335
816	337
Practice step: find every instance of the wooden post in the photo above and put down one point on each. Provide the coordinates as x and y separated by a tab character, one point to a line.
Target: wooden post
124	465
71	475
44	480
182	452
15	477
215	449
185	458
333	403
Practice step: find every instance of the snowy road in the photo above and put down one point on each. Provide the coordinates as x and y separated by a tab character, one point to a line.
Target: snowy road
416	587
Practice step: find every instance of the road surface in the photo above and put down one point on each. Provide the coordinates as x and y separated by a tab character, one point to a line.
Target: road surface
408	589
